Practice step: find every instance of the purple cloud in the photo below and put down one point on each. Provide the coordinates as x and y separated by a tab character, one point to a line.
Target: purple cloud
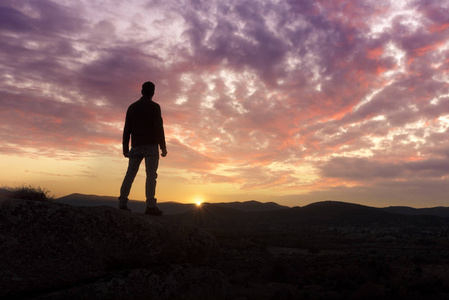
251	92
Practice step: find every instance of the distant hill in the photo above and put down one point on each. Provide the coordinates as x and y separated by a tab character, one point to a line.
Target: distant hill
169	208
253	206
215	215
405	210
94	200
5	192
335	213
340	213
323	214
87	200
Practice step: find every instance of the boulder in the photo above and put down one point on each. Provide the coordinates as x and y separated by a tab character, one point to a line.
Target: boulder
45	247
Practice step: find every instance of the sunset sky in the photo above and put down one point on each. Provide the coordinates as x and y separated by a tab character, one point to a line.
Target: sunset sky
286	101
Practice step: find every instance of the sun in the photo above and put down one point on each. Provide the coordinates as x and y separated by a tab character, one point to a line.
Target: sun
198	200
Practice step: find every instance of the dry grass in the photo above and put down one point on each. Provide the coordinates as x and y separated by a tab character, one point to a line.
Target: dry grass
27	192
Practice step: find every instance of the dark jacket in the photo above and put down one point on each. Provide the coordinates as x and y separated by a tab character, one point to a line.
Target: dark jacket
144	125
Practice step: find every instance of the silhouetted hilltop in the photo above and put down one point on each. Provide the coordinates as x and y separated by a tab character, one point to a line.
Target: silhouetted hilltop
212	214
319	210
341	213
169	208
77	199
326	213
5	192
432	211
253	205
248	213
57	251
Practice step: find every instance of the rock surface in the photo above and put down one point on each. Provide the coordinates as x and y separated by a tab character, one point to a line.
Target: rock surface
48	250
176	281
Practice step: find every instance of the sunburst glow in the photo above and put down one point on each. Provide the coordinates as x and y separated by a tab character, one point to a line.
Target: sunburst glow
198	200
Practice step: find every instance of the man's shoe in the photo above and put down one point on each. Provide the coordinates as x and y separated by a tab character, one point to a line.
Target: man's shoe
153	211
124	207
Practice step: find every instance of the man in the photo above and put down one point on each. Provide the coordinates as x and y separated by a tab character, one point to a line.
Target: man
145	127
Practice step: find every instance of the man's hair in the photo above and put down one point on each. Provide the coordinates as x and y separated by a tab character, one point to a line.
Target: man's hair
148	88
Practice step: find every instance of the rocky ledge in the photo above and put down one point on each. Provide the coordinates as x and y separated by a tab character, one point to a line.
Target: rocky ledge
55	251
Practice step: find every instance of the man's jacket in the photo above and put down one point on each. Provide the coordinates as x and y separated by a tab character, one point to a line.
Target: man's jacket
144	125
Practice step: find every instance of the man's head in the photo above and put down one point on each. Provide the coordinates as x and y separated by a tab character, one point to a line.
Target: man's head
148	89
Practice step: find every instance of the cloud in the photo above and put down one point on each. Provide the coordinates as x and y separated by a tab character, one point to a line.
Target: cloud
415	193
251	92
363	169
214	178
359	169
14	20
190	159
83	174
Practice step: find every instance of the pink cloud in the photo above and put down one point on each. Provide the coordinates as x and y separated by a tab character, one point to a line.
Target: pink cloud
308	80
361	169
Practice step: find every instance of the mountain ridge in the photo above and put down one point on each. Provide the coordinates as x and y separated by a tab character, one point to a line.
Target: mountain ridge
169	207
173	207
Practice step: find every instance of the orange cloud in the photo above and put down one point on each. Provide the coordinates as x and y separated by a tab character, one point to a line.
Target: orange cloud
375	53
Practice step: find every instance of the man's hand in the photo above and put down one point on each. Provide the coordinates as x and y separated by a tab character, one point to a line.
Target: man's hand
125	154
164	152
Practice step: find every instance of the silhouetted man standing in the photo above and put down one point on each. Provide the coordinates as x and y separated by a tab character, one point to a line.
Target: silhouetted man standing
145	127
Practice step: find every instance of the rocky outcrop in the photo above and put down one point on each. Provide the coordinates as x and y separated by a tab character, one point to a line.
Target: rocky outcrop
48	250
176	281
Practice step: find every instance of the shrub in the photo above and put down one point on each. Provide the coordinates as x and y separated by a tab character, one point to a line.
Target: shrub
29	192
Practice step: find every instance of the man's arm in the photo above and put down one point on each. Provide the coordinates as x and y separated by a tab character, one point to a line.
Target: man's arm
126	134
161	134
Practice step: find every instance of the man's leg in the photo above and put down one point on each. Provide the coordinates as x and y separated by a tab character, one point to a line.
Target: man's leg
133	168
151	165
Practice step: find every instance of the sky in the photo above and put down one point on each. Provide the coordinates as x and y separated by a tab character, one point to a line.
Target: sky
286	101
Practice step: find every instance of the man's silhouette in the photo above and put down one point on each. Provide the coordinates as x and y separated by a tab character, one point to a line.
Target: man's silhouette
145	127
